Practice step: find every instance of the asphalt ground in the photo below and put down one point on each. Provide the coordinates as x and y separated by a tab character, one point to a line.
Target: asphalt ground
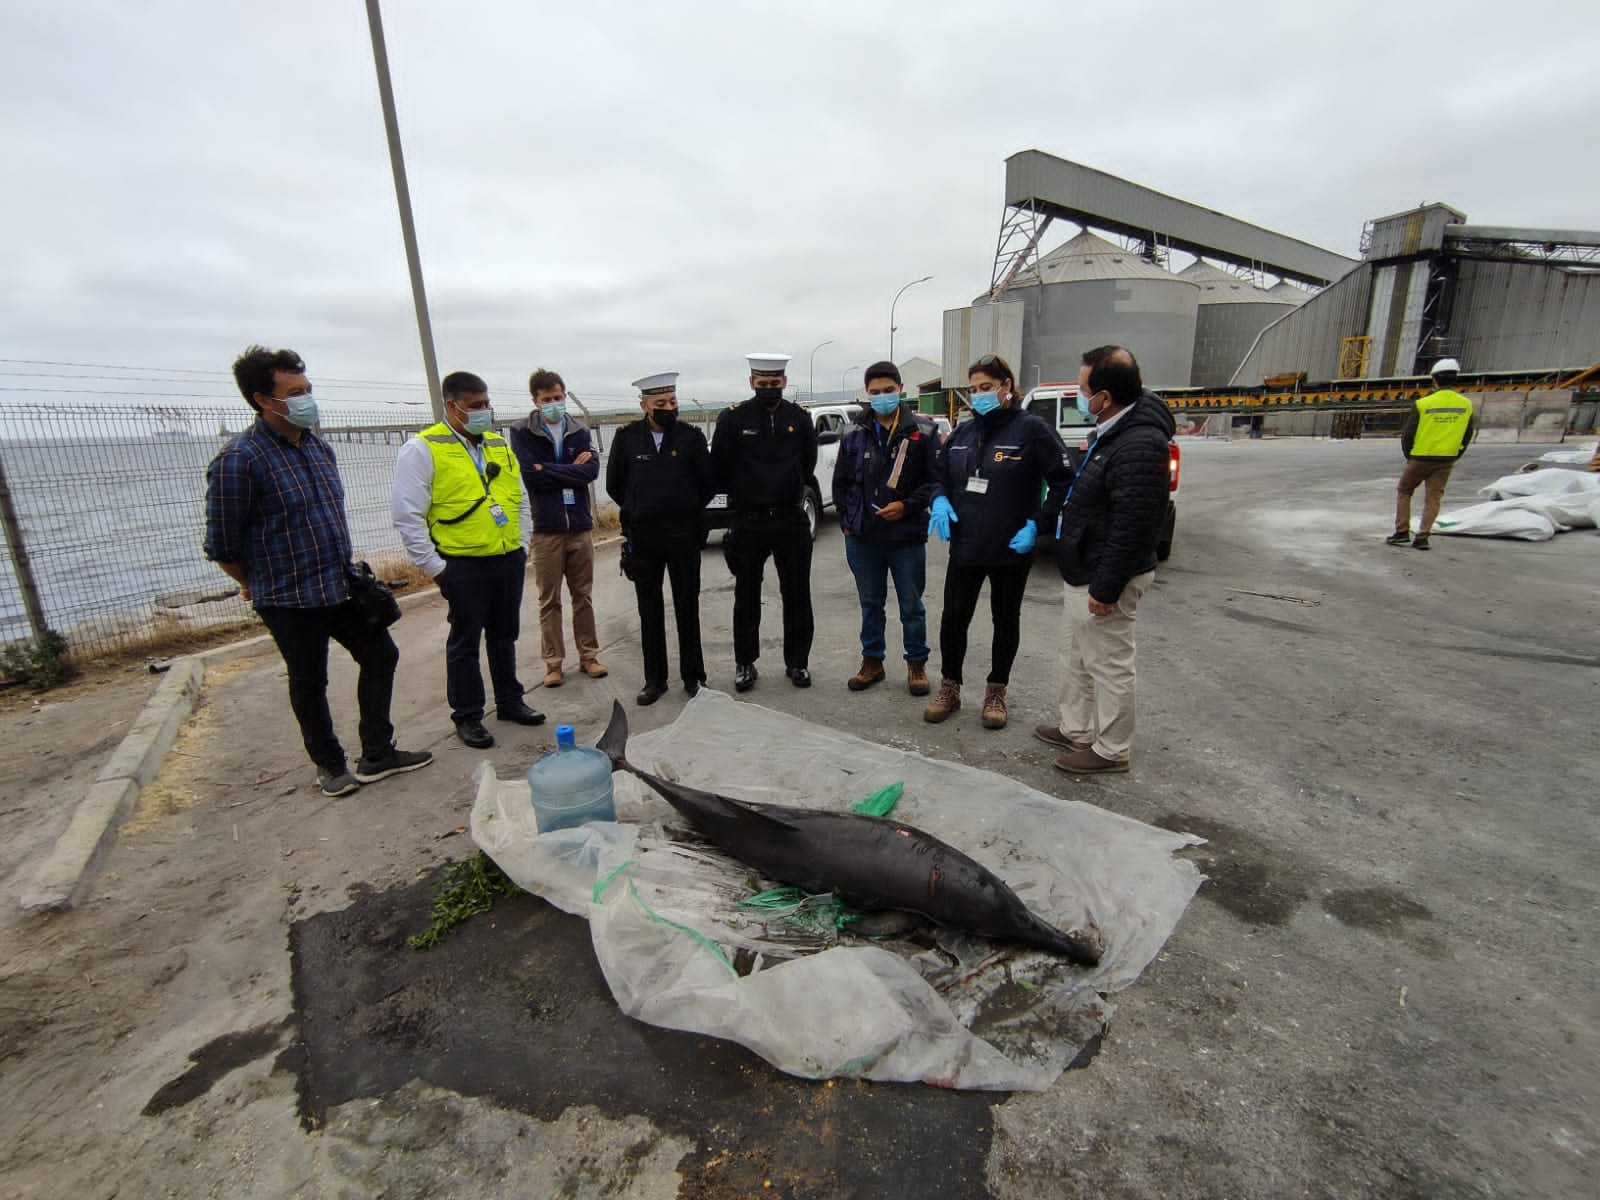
1385	989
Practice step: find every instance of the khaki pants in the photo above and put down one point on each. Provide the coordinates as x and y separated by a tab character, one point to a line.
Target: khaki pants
569	556
1430	475
1097	670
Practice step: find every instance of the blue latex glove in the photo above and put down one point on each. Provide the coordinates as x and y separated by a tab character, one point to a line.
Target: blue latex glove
941	515
1025	537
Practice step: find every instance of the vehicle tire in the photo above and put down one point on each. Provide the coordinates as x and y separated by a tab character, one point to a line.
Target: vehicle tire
811	505
1164	541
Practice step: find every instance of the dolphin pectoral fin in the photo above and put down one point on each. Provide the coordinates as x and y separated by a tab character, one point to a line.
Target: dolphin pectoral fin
614	741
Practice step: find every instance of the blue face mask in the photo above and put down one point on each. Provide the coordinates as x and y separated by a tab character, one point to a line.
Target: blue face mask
479	421
302	410
1083	403
984	403
885	404
554	413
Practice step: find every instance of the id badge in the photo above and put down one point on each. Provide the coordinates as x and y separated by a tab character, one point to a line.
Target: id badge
498	514
568	496
978	484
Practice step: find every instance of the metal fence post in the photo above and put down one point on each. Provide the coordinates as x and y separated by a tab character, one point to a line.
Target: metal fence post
19	557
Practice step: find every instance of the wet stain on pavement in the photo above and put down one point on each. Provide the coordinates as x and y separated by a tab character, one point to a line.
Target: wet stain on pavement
1250	618
212	1061
1258	883
1381	910
512	1008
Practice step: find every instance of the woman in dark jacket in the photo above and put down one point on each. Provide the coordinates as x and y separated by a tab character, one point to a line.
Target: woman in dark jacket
989	487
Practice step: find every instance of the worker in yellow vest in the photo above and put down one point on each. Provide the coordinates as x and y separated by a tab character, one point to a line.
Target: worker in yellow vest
462	515
1437	431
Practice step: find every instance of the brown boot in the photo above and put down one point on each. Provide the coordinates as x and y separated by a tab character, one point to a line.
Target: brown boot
994	706
944	703
871	672
917	678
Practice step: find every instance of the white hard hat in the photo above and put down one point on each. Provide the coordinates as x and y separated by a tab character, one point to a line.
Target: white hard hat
1446	366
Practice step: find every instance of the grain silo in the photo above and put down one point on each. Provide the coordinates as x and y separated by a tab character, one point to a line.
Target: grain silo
1232	312
1089	292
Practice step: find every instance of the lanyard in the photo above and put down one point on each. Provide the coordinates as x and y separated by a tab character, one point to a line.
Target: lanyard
479	457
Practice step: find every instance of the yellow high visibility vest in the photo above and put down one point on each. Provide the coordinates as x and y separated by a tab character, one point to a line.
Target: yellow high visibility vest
1442	419
460	521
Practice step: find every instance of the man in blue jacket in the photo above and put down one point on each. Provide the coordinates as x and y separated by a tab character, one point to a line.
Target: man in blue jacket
882	483
1110	522
559	462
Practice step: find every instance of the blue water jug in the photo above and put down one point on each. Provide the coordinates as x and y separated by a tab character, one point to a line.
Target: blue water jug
571	785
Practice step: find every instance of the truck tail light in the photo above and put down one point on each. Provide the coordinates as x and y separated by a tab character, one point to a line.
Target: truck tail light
1173	463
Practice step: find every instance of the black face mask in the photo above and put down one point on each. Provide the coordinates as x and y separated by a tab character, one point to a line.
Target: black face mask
664	417
769	395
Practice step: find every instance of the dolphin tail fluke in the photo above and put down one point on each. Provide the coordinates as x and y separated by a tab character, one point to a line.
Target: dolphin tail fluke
614	741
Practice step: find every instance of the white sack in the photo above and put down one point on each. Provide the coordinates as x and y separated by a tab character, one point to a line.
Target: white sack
1547	481
1575	456
1505	519
677	952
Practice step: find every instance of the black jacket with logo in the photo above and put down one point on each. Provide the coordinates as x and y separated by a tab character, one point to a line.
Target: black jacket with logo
661	491
1018	454
1118	503
864	467
762	459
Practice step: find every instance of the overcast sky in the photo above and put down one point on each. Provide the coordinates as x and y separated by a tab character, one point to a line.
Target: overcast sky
613	189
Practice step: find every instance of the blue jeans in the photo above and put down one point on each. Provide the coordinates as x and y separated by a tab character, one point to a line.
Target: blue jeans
872	563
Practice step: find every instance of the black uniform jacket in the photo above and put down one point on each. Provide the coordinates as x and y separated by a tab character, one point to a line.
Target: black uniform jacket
663	490
761	459
1113	517
1014	455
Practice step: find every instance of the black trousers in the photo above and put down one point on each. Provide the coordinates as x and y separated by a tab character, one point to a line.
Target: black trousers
675	555
961	587
485	598
302	635
786	537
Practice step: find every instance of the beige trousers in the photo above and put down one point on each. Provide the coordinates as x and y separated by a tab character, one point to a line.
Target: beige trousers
1432	477
1097	670
569	556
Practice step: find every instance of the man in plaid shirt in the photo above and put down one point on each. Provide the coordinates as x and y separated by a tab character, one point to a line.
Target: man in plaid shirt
275	522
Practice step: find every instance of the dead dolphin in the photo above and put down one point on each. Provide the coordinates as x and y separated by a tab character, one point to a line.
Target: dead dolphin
869	862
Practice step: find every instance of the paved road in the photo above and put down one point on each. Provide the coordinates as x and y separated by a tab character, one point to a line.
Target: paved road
1385	990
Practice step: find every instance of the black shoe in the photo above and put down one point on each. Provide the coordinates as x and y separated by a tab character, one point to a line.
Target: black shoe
692	687
651	692
1421	542
474	734
337	783
1400	538
391	762
744	676
520	713
798	676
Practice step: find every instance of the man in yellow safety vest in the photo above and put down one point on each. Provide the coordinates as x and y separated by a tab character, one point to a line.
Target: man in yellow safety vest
1437	431
460	510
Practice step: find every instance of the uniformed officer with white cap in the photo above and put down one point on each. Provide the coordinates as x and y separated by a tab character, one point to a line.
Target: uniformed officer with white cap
659	473
764	456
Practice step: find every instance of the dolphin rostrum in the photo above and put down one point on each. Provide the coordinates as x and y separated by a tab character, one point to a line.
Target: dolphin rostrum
869	862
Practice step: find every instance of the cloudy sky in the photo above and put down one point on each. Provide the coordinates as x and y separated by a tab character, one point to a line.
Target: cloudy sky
612	189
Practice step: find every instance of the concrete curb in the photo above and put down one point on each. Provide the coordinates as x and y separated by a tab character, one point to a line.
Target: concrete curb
62	880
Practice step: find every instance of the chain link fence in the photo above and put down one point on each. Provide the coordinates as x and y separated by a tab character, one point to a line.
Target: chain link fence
104	513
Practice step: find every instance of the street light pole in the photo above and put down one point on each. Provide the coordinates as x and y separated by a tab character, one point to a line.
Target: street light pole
895	301
812	394
843	375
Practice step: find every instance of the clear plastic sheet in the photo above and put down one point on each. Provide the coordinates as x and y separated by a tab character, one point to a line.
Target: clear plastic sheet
941	1007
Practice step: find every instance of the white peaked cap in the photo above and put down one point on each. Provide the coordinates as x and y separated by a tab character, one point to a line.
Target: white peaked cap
657	383
768	364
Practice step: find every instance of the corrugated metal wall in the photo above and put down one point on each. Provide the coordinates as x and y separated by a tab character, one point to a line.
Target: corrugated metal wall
1512	316
1155	318
1308	338
1223	334
994	328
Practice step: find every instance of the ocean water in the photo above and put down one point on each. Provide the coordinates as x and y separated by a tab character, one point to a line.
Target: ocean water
112	523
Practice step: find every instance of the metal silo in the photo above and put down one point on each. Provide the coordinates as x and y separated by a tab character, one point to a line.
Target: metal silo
1089	292
1232	312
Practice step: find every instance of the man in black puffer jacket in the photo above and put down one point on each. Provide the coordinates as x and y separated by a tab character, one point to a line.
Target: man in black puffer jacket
1111	518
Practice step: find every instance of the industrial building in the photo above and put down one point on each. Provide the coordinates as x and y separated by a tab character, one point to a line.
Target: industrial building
1520	308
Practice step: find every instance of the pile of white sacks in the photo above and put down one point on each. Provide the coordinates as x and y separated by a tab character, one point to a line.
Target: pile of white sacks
1533	505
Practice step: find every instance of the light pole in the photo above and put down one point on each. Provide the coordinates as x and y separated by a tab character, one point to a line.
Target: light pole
811	397
842	376
895	301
